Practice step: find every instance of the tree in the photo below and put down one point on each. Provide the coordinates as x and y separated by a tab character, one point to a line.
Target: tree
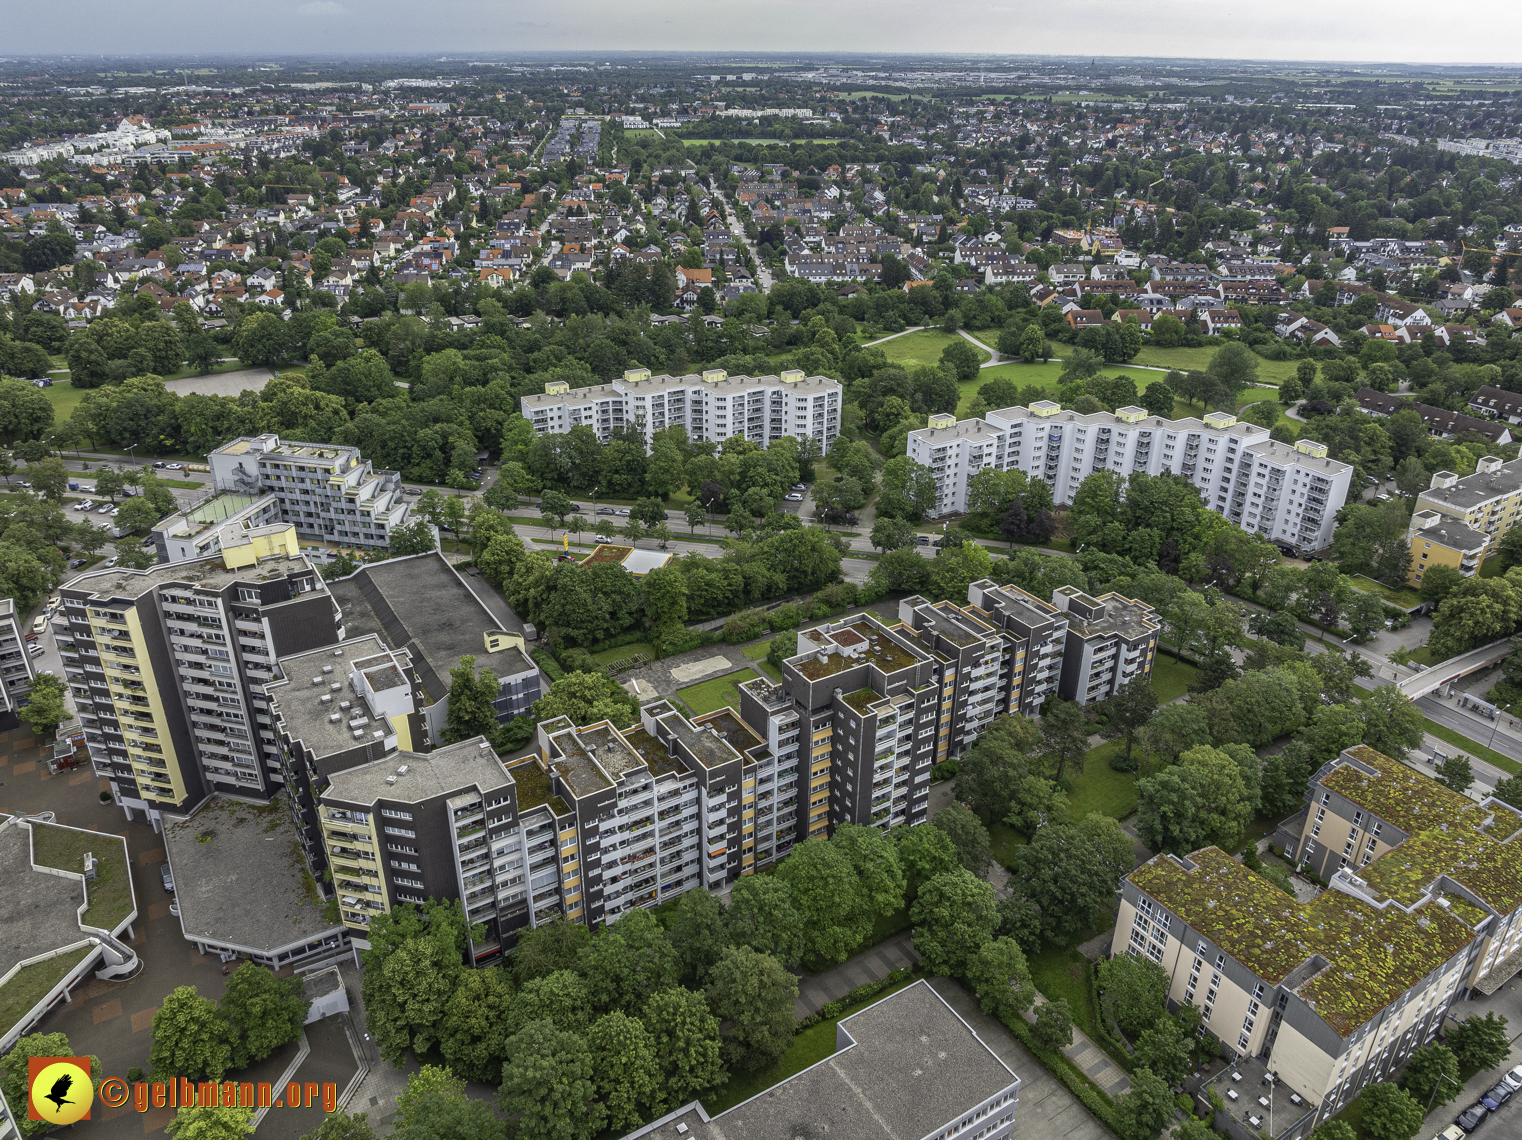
1334	1129
109	482
542	950
1438	581
697	932
962	359
1064	736
14	1080
555	505
1053	1030
1390	1113
954	917
1069	873
627	961
410	971
1202	801
761	916
434	1107
1164	1049
889	533
753	998
1146	1109
211	1123
1033	346
547	1084
832	910
1082	364
470	711
1128	711
1157	398
1235	367
666	603
44	709
263	1012
1478	611
968	837
697	515
473	1035
624	1072
1480	1042
1001	980
908	489
342	1126
1134	991
923	853
1456	773
685	1036
50	478
190	1038
1432	1075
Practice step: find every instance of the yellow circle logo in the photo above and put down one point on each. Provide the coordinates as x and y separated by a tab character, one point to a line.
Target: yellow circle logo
62	1092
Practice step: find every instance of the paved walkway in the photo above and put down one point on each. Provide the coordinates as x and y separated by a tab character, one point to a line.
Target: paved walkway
1047	1109
897	953
993	358
1089	1057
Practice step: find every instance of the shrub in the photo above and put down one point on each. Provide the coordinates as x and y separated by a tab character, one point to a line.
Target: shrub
785	616
945	770
746	625
838	596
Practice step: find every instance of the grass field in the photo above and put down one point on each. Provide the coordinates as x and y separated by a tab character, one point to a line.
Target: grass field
710	695
757	653
1062	972
64	398
609	656
1101	788
923	347
1405	599
1171	679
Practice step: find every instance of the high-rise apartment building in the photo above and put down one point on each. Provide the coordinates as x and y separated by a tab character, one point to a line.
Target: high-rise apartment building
328	492
166	666
15	664
1289	494
712	406
1425	906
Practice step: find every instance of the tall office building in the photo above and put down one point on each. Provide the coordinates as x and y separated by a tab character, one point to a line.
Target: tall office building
1333	995
165	666
1289	494
327	491
712	406
15	664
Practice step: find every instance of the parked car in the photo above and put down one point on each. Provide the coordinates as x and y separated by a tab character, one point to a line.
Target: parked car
799	487
23	483
606	511
103	509
168	878
40	624
1471	1117
1514	1078
1496	1097
794	497
923	540
565	558
85	505
112	561
36	649
77	563
1452	1132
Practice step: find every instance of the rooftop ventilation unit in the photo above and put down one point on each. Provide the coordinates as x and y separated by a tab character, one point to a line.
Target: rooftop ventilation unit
334	718
327	668
327	699
359	734
336	685
402	771
316	680
390	779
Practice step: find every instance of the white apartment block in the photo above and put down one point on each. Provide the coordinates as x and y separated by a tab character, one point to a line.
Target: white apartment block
712	406
327	491
1289	494
15	663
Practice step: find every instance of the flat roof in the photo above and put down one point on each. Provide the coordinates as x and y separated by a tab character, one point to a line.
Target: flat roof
39	913
910	1066
299	704
1472	490
208	514
446	770
207	573
421	605
241	878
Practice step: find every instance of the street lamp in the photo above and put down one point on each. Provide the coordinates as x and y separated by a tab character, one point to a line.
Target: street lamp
1442	1077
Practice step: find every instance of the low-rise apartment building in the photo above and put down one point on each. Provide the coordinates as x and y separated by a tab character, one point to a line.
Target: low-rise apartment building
1290	494
225	520
1425	904
1486	501
1436	540
712	406
167	665
329	492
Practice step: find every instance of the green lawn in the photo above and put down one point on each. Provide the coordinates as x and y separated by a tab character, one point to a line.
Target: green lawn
1101	788
1492	568
757	653
810	1047
923	347
110	894
65	398
1062	972
1473	747
1171	679
1004	839
1198	359
609	656
32	983
715	694
1405	599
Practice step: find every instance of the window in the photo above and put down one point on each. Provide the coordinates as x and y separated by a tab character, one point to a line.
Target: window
247	595
401	831
389	814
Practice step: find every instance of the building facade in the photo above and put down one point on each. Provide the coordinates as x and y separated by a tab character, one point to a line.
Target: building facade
15	664
712	406
223	521
167	665
1486	501
328	492
1436	540
1289	494
1425	905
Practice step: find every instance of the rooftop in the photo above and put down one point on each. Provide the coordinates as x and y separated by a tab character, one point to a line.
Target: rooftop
1472	490
444	771
535	788
864	643
907	1066
731	729
1273	451
421	605
207	514
300	706
241	878
202	573
592	758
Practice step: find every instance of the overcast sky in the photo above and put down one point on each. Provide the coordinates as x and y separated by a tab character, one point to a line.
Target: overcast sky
1482	31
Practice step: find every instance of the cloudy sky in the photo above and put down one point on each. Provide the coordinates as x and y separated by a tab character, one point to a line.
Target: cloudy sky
1482	31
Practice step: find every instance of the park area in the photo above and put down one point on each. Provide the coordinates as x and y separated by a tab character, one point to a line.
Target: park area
708	696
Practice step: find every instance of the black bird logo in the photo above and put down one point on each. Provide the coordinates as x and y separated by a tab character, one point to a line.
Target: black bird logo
60	1091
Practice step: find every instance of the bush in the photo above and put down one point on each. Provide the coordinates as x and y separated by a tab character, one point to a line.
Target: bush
690	640
838	597
552	670
747	625
945	770
786	616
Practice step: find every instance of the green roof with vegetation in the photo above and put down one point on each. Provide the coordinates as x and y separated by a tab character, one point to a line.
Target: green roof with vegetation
110	893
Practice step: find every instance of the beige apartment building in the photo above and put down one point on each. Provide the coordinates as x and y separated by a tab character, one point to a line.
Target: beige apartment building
1486	501
1329	996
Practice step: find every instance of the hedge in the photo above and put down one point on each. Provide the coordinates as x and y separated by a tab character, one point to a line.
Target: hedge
551	667
833	1009
1074	1079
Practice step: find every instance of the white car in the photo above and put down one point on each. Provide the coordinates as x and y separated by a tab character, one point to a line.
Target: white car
103	509
36	649
794	498
174	467
602	538
111	561
1513	1078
